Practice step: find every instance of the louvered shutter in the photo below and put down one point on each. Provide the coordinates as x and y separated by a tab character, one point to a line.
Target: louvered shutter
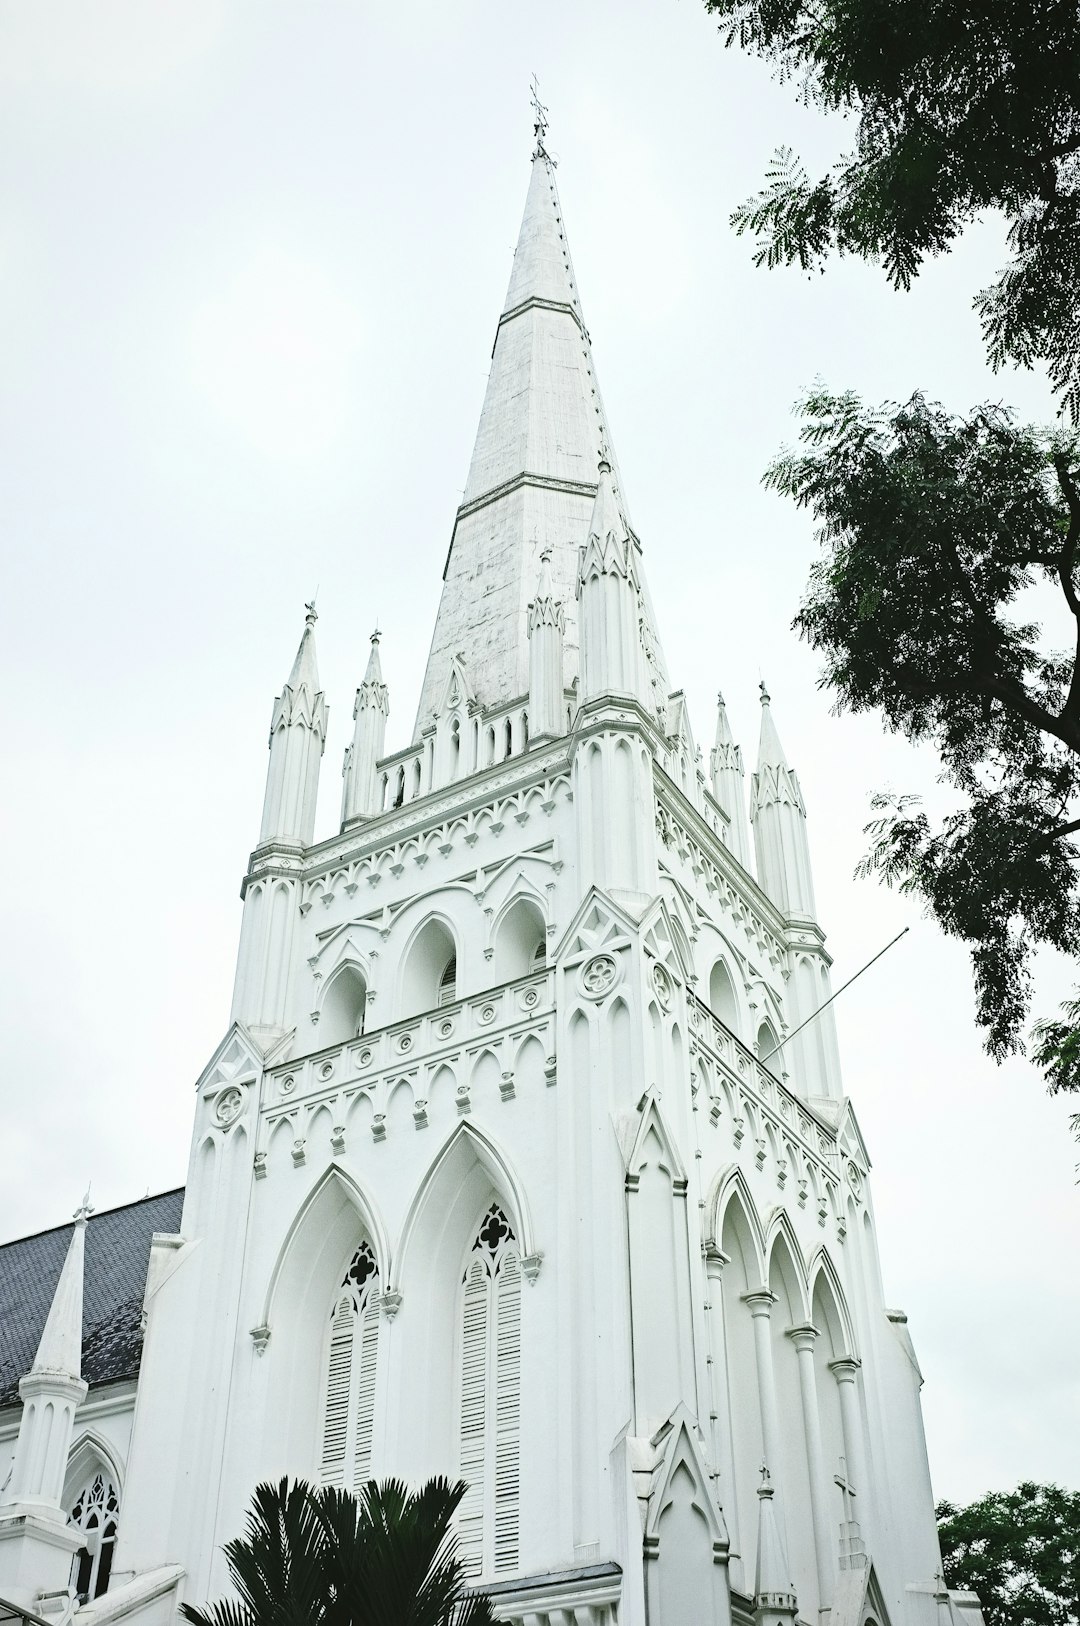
338	1384
368	1342
474	1375
507	1410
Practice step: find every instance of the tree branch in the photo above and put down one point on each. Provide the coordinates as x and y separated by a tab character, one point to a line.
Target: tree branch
1055	835
1010	694
1067	563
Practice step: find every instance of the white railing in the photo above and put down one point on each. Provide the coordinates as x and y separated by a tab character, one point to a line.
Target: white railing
452	748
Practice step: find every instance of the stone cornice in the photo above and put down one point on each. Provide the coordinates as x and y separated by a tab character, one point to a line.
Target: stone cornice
463	796
542	482
535	303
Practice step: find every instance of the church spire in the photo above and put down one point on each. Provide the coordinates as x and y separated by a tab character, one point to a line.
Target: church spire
726	765
532	479
370	711
778	817
297	738
51	1391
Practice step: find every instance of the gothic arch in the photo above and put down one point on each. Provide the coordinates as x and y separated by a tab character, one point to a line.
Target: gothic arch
767	1045
336	1217
468	1175
826	1291
91	1451
681	1452
466	1143
782	1248
731	1190
341	1003
434	942
315	1213
520	929
653	1126
723	996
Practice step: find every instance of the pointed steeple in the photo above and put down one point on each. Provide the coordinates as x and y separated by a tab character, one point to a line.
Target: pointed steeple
51	1391
778	817
60	1348
370	711
774	1594
297	738
532	479
547	622
612	659
726	767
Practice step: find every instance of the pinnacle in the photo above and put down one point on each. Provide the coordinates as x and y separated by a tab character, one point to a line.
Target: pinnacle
545	587
724	735
304	667
770	751
607	519
60	1349
373	673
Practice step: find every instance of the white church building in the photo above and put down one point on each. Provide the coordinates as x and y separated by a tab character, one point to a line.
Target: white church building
525	1155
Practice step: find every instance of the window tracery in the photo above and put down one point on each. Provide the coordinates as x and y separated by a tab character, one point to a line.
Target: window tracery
95	1513
349	1388
490	1397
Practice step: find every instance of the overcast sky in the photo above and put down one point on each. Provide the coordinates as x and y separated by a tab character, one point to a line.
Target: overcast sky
251	260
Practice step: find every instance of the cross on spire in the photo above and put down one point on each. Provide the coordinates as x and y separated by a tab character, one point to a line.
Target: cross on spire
540	119
847	1491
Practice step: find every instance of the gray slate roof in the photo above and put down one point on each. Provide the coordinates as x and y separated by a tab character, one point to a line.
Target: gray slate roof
117	1255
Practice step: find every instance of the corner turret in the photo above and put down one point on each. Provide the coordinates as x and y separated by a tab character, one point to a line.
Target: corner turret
778	817
359	798
612	660
36	1542
297	738
726	768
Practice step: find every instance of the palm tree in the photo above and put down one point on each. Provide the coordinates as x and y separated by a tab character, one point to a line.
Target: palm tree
324	1557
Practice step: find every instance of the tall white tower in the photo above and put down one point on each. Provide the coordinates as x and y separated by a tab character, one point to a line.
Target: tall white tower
506	1167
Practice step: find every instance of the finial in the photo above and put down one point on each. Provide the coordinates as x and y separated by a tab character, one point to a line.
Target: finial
84	1210
312	616
765	696
604	464
540	119
375	636
766	1486
545	554
719	697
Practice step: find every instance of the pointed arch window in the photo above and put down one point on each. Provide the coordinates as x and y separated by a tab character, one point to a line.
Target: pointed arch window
94	1513
348	1412
489	1406
448	982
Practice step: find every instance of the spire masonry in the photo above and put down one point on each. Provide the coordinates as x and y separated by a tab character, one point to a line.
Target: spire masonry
532	480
